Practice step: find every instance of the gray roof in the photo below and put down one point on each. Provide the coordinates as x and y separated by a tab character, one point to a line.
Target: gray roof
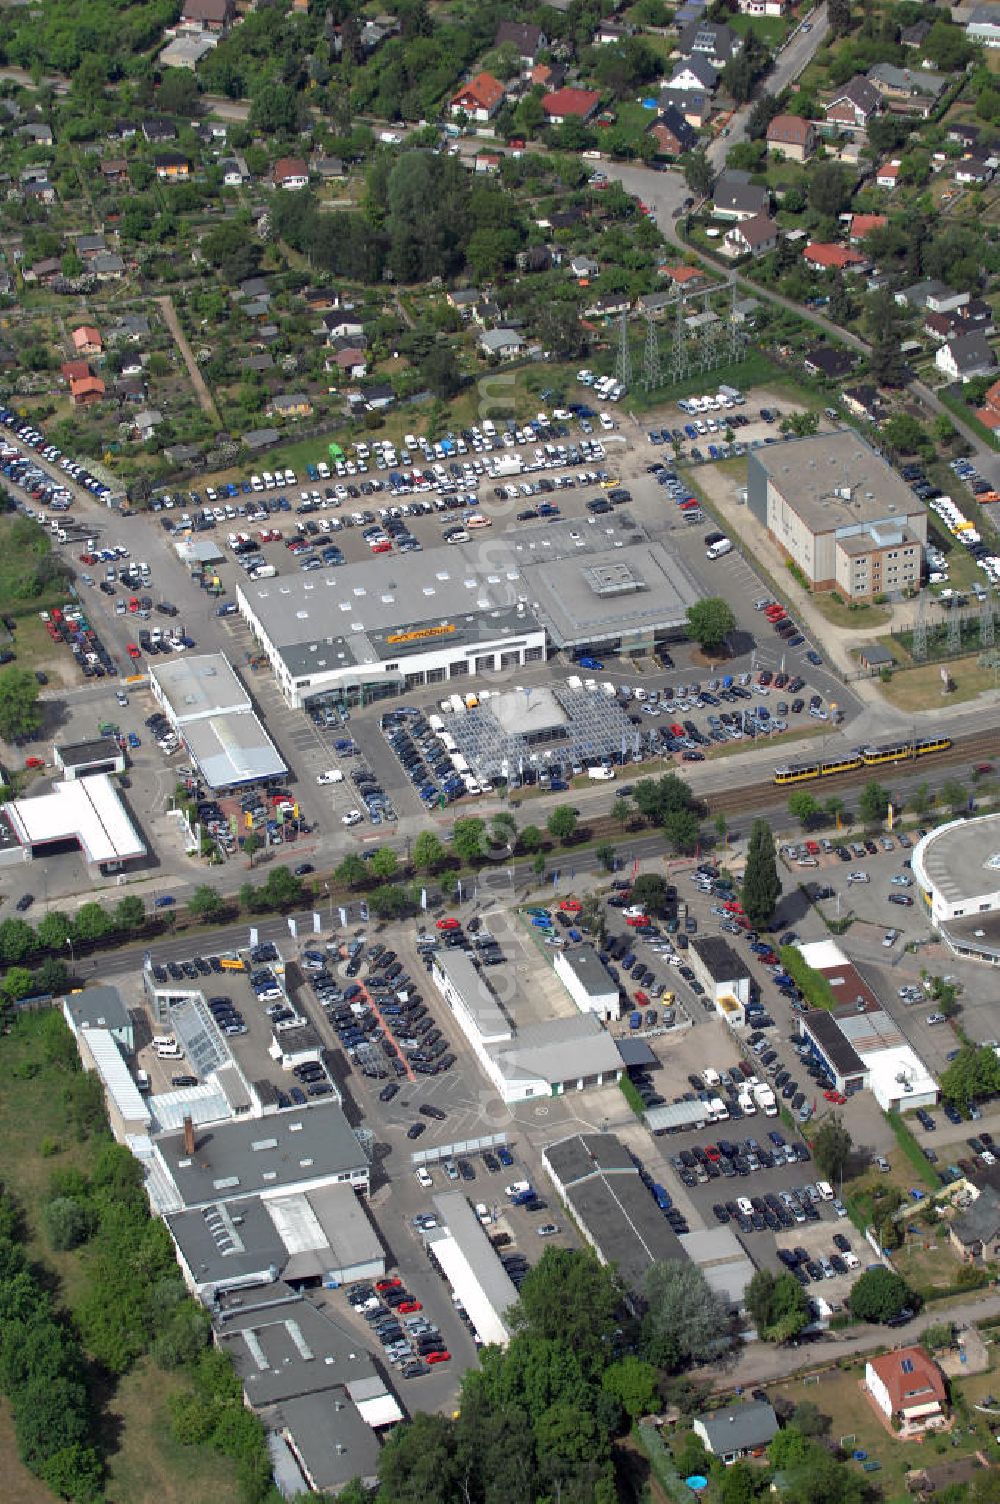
979	1223
81	754
985	15
463	1225
98	1008
613	1207
908	80
739	1427
860	91
971	352
201	685
221	1250
876	655
495	340
590	970
675	1115
961	859
333	1442
478	996
835	1045
233	748
259	438
238	1159
808	473
732	192
287	1347
704	70
559	1050
718	958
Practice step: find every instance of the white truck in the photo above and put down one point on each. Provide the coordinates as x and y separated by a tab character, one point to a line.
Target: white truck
507	464
718	1111
601	774
764	1097
747	1105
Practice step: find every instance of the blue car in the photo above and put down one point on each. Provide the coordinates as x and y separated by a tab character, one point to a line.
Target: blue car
814	657
591	663
133	740
165	901
690	430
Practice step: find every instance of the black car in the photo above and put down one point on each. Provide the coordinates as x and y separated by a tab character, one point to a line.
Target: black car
416	1129
432	1112
24	902
388	1092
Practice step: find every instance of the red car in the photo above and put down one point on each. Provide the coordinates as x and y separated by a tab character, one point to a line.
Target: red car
712	1154
389	1284
448	924
831	1095
34	762
636	921
813	848
133	651
733	906
642	998
571	906
439	1357
407	1307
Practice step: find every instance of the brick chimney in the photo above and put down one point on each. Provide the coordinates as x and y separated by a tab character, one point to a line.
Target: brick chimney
188	1136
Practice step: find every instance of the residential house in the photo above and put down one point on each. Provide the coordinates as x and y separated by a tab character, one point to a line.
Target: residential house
694	104
852	106
774	8
963	133
487	163
976	314
133	327
339	326
975	1232
983	26
290	173
916	35
529	40
107	266
794	137
912	90
965	356
608	305
751	237
86	340
735	197
146	423
502	344
827	256
714	40
186	51
932	295
234	171
207	15
584	267
672	134
35	185
682	276
549	76
738	1430
43	272
656	303
157	132
695	75
462	298
976	168
479	99
864	402
864	224
290	405
907	1389
328	169
75	370
379	396
261	362
829	362
38	132
115	170
87	246
887	176
351	361
123	130
84	391
939	326
570	104
171	166
610	32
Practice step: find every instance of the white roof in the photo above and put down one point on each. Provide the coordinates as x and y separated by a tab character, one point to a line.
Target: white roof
204	1103
822	955
116	1077
884	1068
382	1410
88	810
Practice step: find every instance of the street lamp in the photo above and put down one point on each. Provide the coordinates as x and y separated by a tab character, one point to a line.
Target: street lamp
72	953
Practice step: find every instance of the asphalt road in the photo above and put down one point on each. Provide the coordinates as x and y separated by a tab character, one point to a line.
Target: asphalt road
793	59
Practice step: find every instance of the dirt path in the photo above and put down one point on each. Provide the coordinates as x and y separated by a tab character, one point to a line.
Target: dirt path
204	396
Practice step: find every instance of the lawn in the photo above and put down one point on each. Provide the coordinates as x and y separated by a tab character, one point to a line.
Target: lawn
755	370
858	618
36	650
924	1261
769	29
148	1463
838	1394
919	688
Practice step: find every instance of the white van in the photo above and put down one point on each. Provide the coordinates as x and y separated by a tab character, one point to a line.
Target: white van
724	546
601	774
825	1189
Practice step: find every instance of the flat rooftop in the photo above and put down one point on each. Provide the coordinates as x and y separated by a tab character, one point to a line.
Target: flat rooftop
979	934
290	1349
809	473
237	1159
233	748
590	970
719	958
559	1049
527	711
837	1048
87	810
463	1225
961	860
82	754
200	685
476	994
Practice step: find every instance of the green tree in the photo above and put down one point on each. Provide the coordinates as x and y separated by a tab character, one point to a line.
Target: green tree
20	713
17	983
281	888
804	807
974	1072
682	831
698	174
873	802
709	623
384	863
429	854
605	854
839	12
503	830
251	844
388	901
68	1223
778	1305
352	871
624	812
741	1483
530	839
570	1298
178	93
829	189
538	863
274	108
92	923
790	1448
129	914
562	823
650	891
832	1145
54	930
878	1295
685	1320
632	1381
206	903
468	839
18	941
761	883
955	795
